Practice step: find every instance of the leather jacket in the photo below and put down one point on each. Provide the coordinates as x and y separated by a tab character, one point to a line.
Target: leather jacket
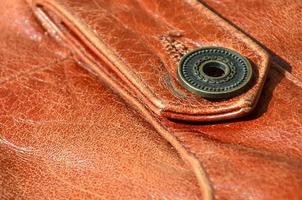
92	106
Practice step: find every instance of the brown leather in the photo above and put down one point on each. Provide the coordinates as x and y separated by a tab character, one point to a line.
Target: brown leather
274	24
139	57
66	135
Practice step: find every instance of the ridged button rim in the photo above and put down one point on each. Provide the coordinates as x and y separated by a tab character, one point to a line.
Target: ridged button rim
234	82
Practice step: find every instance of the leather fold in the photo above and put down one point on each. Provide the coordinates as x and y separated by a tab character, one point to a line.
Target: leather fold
134	47
141	43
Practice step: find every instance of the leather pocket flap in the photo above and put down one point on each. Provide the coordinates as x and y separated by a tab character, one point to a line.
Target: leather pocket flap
141	44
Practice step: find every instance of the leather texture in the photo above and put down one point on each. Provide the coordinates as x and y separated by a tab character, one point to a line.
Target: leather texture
64	135
148	67
123	128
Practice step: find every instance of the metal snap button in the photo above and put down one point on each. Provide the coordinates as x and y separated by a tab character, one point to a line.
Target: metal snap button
215	72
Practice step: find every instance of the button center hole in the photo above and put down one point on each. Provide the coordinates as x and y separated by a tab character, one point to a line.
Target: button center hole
214	69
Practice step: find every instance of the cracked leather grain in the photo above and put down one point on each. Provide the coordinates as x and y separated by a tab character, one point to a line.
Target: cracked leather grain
145	67
255	157
64	135
275	25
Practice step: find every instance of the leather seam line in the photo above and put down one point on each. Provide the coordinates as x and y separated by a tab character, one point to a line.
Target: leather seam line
197	169
172	103
261	152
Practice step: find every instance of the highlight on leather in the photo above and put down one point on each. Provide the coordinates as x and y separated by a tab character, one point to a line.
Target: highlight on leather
140	61
258	157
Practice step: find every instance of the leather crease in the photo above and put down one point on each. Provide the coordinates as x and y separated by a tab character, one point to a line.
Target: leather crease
187	157
253	157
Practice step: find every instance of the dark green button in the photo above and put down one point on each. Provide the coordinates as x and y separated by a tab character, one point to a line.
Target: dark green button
215	72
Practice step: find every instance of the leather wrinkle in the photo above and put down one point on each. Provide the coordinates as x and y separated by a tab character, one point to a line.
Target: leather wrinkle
73	127
178	103
29	72
120	86
276	57
189	145
254	157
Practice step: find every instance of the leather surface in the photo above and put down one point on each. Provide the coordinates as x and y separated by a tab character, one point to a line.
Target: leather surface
274	24
62	124
146	67
64	135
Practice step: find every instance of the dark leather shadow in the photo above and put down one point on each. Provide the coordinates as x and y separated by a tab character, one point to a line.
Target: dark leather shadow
272	80
270	84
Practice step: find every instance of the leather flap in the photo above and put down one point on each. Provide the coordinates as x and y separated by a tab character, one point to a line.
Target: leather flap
124	43
141	43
